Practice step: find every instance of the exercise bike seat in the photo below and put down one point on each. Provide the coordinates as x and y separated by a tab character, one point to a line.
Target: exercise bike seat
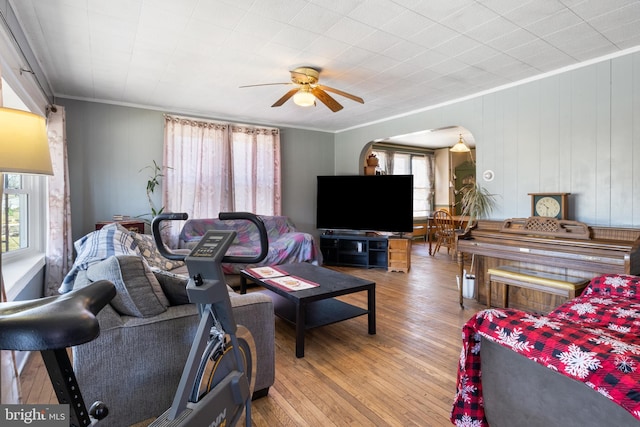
54	322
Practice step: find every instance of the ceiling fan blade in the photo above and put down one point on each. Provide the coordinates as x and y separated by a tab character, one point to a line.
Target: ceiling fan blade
285	98
266	84
326	99
345	94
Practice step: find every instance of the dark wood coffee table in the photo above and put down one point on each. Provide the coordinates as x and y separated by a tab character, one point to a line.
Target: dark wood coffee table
311	308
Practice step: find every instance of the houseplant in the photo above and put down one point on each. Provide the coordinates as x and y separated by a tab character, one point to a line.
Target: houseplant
152	183
476	203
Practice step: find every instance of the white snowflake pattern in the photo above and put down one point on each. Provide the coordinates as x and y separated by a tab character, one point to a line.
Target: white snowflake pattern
624	364
513	339
600	390
617	346
603	301
476	348
490	313
463	357
619	328
621	312
541	322
466	389
616	281
467	421
583	308
579	363
562	315
545	361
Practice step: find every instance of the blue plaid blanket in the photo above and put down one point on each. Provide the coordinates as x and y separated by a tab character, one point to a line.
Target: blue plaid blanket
112	239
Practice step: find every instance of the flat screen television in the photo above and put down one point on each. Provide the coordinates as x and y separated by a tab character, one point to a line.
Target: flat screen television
365	203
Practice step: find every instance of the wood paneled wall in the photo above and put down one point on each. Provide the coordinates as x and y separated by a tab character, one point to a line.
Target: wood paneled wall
577	131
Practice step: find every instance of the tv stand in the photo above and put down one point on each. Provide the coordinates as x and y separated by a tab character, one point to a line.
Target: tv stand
355	250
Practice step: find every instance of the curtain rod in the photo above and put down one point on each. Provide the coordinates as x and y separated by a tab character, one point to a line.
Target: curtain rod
17	45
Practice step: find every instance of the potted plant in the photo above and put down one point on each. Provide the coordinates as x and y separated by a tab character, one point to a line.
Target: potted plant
152	183
476	203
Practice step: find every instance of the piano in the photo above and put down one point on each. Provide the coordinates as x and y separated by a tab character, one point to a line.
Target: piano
545	244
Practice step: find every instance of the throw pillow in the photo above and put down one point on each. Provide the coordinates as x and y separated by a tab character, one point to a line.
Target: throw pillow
148	249
112	239
174	286
139	293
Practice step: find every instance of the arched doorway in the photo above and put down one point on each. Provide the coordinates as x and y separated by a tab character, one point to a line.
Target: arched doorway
446	171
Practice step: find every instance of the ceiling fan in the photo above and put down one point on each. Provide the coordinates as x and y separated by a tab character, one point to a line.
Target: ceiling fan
307	90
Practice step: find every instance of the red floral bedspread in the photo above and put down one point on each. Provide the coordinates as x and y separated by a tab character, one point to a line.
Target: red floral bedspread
594	338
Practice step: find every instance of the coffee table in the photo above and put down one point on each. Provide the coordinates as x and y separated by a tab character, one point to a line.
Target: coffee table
314	307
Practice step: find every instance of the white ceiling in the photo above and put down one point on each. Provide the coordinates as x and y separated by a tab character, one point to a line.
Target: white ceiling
191	56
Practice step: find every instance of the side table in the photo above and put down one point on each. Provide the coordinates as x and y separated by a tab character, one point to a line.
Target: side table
399	254
136	226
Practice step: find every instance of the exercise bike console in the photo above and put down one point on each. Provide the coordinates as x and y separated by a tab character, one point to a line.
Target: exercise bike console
216	382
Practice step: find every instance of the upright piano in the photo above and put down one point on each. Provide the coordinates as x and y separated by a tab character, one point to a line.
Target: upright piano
549	245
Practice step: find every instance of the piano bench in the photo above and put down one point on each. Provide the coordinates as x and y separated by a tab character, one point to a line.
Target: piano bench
557	284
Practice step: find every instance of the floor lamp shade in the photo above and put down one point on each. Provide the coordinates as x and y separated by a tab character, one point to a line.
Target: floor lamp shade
24	146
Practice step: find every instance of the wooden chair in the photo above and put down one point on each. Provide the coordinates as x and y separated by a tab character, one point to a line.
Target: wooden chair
444	231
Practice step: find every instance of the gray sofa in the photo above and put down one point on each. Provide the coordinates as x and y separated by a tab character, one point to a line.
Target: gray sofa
134	366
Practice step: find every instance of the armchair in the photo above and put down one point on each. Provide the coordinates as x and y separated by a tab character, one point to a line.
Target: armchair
134	366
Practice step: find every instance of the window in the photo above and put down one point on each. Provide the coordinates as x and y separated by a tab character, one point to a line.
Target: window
22	214
215	167
14	214
395	161
22	235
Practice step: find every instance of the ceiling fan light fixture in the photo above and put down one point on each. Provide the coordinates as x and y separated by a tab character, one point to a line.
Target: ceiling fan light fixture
304	98
460	147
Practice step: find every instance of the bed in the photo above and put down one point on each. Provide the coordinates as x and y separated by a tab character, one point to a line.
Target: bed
576	366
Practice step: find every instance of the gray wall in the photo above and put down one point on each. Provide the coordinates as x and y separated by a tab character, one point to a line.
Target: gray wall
305	155
576	132
108	145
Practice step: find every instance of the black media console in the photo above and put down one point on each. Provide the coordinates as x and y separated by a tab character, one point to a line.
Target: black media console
354	250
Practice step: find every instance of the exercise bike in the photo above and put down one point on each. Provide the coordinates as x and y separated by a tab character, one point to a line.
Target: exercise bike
217	380
216	383
50	325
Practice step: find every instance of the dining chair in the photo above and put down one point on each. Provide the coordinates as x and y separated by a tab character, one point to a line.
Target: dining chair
444	231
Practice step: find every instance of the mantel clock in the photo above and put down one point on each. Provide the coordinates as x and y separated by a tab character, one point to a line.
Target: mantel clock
553	205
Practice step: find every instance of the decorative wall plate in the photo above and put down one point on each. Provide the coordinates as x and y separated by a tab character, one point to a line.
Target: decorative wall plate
488	175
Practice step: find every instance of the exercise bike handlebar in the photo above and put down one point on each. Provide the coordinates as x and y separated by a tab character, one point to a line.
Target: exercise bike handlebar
262	231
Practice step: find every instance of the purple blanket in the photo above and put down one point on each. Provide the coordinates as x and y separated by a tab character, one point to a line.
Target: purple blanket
286	244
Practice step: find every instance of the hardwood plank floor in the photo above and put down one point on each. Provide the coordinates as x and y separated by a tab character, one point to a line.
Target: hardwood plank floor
402	376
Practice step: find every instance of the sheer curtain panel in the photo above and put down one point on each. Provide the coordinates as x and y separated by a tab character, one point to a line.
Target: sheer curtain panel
256	170
59	254
212	167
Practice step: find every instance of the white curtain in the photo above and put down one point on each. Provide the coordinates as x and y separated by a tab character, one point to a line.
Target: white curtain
214	167
60	242
196	170
256	170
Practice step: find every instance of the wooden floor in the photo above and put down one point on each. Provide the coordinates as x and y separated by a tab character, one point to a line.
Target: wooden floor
402	376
